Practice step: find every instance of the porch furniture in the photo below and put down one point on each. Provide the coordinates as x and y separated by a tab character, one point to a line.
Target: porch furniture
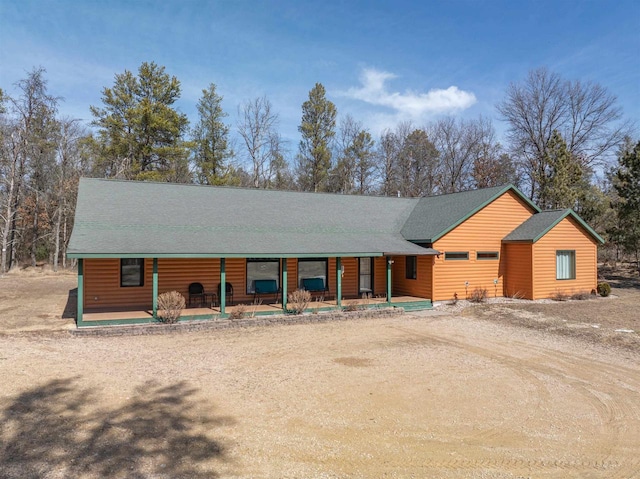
266	286
228	291
196	293
211	299
315	285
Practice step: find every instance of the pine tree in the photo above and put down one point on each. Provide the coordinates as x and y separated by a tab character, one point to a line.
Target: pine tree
141	134
562	182
317	129
211	140
628	207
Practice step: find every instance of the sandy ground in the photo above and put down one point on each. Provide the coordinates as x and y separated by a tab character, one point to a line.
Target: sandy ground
423	395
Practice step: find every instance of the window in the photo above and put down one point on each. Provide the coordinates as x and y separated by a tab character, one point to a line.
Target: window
487	255
411	267
312	268
366	275
566	264
456	255
262	269
131	272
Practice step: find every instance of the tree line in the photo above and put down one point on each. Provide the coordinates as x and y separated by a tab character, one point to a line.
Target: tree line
559	133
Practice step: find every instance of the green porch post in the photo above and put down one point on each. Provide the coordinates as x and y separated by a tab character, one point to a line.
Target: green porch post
389	263
284	284
80	293
223	287
155	288
339	281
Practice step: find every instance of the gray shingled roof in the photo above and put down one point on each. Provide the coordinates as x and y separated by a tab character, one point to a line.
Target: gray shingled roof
434	216
155	219
539	224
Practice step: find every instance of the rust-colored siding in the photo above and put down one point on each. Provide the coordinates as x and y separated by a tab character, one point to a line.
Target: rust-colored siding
566	235
380	276
175	274
482	232
102	286
420	287
519	270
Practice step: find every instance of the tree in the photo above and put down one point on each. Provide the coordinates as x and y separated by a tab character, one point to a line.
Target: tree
257	128
212	151
317	129
627	185
584	114
140	133
386	158
418	165
28	146
563	180
354	167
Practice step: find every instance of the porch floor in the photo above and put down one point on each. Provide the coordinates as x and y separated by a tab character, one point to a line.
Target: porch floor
146	314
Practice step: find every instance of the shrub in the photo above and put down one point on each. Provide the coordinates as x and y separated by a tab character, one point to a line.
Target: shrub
299	301
170	306
580	295
604	289
238	312
478	295
353	306
454	300
560	296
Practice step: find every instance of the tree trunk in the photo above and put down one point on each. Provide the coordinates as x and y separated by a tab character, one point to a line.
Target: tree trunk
57	240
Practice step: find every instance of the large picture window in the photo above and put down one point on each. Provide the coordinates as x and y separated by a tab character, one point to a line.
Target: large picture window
262	269
565	264
411	267
131	272
312	268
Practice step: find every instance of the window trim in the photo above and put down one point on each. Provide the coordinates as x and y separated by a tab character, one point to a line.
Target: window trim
413	272
572	272
309	260
141	278
494	255
278	278
448	253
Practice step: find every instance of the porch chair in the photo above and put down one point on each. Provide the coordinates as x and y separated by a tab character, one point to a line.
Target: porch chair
196	293
228	292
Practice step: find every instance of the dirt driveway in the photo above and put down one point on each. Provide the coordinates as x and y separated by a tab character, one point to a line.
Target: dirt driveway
422	395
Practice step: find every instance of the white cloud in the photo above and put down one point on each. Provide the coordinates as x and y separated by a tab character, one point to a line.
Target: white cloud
409	103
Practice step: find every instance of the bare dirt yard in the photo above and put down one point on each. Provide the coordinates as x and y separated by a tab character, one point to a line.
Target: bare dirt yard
469	394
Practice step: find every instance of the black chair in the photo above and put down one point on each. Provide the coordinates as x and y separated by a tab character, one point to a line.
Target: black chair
196	293
228	292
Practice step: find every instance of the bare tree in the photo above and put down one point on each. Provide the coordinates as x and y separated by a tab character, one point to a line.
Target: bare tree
585	114
257	127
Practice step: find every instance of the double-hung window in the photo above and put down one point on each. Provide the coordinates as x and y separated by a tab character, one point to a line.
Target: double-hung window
411	267
312	268
565	264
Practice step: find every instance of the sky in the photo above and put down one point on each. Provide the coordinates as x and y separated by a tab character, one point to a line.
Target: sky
380	61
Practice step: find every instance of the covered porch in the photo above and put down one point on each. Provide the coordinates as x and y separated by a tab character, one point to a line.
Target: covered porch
356	283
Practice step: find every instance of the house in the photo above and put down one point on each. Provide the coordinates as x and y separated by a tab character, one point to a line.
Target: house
136	240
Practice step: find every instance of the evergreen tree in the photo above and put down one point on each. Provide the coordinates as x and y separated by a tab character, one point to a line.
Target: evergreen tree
211	142
317	129
563	180
627	185
141	134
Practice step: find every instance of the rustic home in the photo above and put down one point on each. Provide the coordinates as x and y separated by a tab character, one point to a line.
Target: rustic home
221	247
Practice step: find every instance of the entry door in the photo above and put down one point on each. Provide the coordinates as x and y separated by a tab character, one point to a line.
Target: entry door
366	275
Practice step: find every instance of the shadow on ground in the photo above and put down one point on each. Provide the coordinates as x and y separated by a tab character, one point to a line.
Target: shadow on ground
71	308
55	430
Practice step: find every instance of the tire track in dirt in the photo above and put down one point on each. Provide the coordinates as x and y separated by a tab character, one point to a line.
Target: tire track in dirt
613	412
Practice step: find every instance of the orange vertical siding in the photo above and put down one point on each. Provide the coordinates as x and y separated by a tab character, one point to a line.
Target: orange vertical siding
482	232
519	270
566	235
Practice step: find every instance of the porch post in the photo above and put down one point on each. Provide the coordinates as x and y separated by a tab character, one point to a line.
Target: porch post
80	293
389	263
339	281
155	288
223	287
284	284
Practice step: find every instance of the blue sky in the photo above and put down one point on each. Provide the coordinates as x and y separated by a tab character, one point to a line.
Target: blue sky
381	62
